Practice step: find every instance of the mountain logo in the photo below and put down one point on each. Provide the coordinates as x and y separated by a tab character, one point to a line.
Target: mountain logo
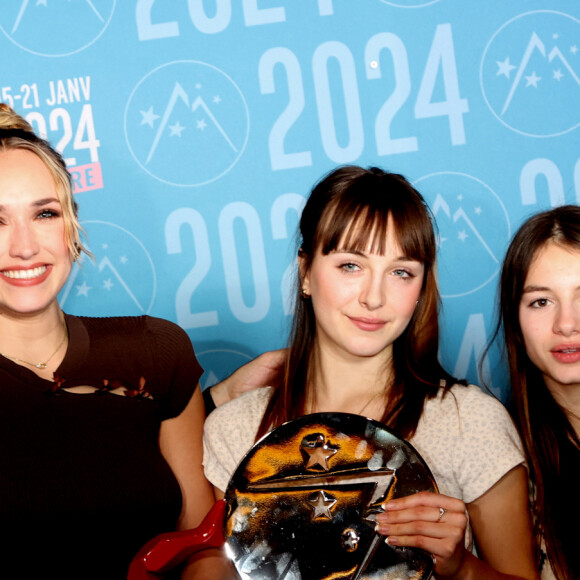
121	279
23	22
187	123
530	73
473	231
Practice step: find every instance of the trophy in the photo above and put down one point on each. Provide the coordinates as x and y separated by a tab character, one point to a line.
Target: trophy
302	505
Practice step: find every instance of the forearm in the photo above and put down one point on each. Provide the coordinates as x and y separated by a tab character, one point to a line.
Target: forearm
263	371
219	393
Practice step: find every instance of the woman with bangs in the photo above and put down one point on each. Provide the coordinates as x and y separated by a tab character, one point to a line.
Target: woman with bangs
364	340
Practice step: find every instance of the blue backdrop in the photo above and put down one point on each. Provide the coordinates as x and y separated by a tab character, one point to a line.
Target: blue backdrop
195	128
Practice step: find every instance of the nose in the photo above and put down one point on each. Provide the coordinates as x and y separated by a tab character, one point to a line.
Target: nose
372	295
567	320
23	241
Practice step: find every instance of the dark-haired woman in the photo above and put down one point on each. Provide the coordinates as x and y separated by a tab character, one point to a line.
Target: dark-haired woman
365	341
540	317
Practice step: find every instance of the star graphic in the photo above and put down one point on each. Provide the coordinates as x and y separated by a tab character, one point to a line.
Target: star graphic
108	284
149	117
83	289
573	49
198	86
505	68
123	259
104	246
321	505
318	455
462	235
460	197
350	540
478	210
555	36
176	129
532	80
201	124
558	74
41	3
217	99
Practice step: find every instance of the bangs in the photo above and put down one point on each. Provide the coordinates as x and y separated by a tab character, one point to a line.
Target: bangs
355	229
362	228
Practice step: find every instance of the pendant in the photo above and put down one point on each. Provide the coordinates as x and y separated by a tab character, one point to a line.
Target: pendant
40	366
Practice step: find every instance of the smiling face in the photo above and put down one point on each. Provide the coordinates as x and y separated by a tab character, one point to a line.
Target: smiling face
363	301
35	260
549	315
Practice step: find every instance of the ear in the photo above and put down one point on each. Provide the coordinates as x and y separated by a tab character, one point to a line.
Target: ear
304	273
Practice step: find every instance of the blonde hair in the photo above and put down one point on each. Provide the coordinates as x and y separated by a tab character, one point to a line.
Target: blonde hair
17	133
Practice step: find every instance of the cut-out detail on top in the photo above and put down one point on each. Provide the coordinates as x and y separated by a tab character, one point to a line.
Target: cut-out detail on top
107	386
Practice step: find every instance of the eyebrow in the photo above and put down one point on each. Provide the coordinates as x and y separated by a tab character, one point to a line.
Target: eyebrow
45	201
38	202
531	288
363	254
528	289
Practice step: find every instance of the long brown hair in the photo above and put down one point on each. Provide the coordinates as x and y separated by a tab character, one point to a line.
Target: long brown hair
351	206
543	424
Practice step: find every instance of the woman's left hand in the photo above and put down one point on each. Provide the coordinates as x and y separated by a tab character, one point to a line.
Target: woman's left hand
431	521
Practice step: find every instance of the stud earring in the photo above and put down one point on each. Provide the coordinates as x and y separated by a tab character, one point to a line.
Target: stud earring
304	294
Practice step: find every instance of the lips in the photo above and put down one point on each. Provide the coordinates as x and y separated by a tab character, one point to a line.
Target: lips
368	324
26	276
566	353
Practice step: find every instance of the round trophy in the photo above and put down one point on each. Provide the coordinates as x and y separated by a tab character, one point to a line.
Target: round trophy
302	503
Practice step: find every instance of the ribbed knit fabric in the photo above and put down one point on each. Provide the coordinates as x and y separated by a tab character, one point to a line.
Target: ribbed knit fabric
83	484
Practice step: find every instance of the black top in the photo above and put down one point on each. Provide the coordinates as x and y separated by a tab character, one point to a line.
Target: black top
566	505
83	484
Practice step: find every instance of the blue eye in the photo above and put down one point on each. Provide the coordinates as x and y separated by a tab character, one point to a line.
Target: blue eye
48	213
403	273
349	267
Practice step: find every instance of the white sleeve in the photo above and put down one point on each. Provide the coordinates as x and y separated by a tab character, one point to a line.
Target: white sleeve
488	444
229	433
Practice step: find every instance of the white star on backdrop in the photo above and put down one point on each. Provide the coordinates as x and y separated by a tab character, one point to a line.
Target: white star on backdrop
149	117
505	68
532	80
176	129
83	289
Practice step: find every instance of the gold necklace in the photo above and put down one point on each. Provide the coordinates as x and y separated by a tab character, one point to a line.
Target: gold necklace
41	365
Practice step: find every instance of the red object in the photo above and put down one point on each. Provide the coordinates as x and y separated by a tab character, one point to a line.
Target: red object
166	551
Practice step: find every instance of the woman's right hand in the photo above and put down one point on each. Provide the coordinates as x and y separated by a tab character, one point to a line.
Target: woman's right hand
431	521
263	371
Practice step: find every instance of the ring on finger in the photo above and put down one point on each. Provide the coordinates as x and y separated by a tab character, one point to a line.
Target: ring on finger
442	512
